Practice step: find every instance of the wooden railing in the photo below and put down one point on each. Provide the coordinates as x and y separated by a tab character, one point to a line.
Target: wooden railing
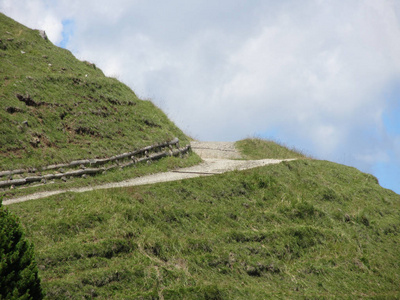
86	167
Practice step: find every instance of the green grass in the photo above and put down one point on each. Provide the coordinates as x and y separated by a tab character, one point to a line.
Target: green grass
115	175
55	108
304	228
259	149
300	229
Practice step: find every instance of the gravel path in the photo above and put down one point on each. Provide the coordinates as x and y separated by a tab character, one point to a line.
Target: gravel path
224	150
219	157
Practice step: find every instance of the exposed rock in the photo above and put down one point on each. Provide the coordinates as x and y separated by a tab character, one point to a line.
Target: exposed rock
35	141
43	34
347	218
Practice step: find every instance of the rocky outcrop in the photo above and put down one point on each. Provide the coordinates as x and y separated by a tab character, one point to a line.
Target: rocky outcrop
43	34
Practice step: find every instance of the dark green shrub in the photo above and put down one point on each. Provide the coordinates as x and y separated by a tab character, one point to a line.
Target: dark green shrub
18	271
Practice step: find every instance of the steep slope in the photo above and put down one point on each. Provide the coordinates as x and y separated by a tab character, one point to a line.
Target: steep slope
55	108
302	228
299	229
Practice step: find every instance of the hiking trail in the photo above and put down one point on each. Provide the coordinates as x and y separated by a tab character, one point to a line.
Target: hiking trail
218	158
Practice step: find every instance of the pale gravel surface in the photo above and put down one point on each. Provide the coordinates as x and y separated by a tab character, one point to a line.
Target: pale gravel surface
225	150
219	157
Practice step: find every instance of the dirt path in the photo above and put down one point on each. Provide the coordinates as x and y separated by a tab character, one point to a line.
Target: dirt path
219	157
224	150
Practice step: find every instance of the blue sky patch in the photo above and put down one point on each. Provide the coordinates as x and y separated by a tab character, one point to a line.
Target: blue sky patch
272	133
68	32
388	174
391	115
392	121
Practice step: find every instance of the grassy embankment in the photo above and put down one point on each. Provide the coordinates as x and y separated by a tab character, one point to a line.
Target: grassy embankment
55	109
301	228
255	148
115	175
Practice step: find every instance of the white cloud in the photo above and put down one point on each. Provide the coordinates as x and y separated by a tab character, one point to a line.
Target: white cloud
316	72
34	14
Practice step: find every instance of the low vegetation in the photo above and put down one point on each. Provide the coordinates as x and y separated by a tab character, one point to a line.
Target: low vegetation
303	228
256	148
298	229
59	109
115	175
18	270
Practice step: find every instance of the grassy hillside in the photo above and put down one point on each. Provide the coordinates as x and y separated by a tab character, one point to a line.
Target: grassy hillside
258	149
55	108
303	228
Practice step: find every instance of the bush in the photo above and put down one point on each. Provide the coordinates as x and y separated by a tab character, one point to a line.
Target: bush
18	271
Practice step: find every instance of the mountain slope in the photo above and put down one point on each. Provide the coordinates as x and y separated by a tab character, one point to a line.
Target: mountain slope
55	108
302	228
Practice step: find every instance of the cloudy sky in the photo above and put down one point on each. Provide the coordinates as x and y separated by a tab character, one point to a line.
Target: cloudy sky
319	75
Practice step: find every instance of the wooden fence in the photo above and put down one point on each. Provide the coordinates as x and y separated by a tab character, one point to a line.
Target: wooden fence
88	166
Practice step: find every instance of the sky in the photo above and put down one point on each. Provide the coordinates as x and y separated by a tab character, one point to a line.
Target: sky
322	76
